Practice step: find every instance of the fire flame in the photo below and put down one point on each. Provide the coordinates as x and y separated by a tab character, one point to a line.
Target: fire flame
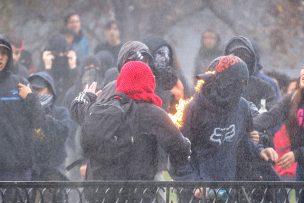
177	118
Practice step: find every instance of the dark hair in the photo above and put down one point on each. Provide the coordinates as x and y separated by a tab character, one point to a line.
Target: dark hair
109	24
291	122
68	16
283	79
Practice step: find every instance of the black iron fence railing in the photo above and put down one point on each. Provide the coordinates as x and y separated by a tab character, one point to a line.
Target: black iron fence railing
146	192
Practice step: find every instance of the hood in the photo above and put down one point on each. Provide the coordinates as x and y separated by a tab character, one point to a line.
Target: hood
257	54
129	51
225	88
105	59
57	43
91	71
4	43
110	76
46	77
154	42
243	48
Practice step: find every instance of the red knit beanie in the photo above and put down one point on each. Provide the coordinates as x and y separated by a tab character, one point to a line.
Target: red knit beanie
137	81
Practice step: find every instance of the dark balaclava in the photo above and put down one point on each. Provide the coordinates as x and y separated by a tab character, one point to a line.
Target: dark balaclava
229	80
242	47
106	60
5	45
57	44
92	72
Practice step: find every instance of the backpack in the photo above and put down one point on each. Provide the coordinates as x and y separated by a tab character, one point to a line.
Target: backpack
108	136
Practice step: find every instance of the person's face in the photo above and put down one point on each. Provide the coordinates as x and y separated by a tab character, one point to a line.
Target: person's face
112	35
209	40
162	57
74	24
3	58
16	54
292	87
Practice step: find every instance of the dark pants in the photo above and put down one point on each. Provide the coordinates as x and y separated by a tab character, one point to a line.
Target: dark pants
300	177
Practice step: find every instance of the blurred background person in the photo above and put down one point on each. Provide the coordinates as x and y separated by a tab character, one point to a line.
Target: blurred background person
61	63
210	49
79	42
17	48
26	59
113	41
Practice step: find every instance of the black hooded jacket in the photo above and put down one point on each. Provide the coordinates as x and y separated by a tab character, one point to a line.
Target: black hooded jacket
63	76
53	125
16	126
217	122
86	76
256	89
166	78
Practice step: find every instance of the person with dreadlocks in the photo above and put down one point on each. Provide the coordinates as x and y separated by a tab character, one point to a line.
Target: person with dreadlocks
217	121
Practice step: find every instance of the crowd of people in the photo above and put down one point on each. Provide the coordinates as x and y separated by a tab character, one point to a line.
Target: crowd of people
104	116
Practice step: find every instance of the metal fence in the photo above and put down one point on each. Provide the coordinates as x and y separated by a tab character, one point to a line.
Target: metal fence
146	192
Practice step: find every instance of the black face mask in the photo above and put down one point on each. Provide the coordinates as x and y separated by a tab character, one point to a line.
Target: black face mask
60	63
92	75
225	92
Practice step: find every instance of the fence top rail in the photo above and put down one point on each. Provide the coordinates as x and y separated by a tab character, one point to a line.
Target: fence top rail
71	184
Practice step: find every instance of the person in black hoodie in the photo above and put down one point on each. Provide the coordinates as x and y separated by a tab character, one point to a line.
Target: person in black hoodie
16	126
91	71
151	127
257	89
217	121
61	64
171	83
55	124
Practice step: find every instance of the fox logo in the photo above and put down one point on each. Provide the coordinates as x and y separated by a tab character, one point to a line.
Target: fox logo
221	135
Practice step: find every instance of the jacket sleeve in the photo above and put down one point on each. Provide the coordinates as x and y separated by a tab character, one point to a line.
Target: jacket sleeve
299	154
34	111
171	140
80	106
274	117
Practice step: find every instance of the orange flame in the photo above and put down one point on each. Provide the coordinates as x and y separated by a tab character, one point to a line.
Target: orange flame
177	118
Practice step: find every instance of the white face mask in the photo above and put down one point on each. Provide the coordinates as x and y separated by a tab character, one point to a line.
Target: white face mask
162	57
46	100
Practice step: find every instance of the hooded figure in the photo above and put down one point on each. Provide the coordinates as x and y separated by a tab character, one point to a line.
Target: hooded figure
260	74
217	121
15	122
257	90
91	71
106	59
57	64
151	126
55	124
166	69
130	51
